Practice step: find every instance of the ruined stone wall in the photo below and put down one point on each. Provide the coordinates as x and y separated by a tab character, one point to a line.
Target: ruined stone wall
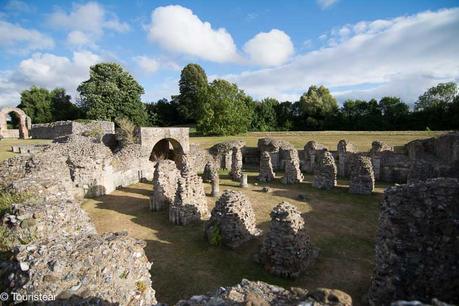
278	149
64	128
417	246
362	176
223	152
312	150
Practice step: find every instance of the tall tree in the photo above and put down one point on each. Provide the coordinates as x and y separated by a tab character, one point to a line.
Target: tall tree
316	105
61	106
437	96
264	116
395	113
112	93
193	89
36	103
225	110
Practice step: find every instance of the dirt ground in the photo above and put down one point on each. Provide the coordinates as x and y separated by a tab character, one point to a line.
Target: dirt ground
342	226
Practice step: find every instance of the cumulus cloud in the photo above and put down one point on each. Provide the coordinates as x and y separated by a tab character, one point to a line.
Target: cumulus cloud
375	54
90	20
15	38
78	38
147	64
176	28
324	4
46	70
269	49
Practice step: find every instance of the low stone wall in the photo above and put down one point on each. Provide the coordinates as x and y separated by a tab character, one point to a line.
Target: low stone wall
64	128
10	133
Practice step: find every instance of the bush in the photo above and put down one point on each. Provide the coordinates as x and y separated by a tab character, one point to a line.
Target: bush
126	131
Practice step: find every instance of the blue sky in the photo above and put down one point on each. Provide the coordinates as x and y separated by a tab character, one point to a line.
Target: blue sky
359	49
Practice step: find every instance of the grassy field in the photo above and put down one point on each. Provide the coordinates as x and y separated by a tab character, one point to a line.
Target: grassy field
362	139
5	145
341	225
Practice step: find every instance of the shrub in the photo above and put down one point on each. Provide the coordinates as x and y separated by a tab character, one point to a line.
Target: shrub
216	237
126	131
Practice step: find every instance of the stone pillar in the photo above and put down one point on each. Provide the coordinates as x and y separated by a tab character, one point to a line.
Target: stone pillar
266	168
215	185
292	173
362	176
244	183
325	172
236	164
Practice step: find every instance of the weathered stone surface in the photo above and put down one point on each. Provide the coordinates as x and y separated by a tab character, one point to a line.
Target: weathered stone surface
264	294
277	149
362	176
311	151
215	185
190	204
379	146
89	269
266	168
53	130
292	172
236	164
345	151
223	152
416	248
286	249
209	171
325	172
232	220
165	182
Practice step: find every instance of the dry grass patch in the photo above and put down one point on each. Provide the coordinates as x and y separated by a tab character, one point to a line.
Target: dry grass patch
5	145
341	225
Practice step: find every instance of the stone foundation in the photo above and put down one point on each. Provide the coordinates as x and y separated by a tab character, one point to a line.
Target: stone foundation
165	181
325	172
362	176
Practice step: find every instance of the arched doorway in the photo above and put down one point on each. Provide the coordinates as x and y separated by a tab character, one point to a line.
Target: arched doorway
166	148
14	123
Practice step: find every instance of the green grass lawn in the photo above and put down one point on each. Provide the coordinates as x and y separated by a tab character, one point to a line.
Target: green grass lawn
5	145
341	225
362	139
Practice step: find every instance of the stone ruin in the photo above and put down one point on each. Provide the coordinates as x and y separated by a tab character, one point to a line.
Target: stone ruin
53	244
379	146
209	171
311	151
292	172
266	168
362	176
345	154
277	149
25	124
165	181
232	221
236	164
222	153
264	294
286	249
417	247
190	203
325	172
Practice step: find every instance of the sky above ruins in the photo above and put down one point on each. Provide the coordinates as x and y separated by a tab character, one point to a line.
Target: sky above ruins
357	48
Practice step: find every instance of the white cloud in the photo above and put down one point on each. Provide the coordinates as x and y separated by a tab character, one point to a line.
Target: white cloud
147	64
90	20
177	29
18	6
381	53
46	70
17	38
324	4
78	38
269	49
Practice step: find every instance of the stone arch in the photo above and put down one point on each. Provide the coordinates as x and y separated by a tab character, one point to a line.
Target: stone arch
166	148
25	123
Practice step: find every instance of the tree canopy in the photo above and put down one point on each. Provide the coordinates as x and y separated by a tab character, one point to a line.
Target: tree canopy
112	93
316	105
225	110
437	96
193	90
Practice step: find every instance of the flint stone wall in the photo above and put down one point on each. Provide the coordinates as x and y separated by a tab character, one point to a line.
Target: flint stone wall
266	168
65	128
362	176
325	172
223	153
345	152
277	149
286	249
292	172
417	247
263	294
165	181
233	219
311	152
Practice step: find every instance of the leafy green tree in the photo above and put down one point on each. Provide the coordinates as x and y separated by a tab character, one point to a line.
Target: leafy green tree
36	103
264	116
61	106
163	113
437	96
193	90
317	104
361	115
225	111
284	115
394	112
112	93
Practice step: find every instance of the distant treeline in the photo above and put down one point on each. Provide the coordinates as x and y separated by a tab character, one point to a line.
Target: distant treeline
221	108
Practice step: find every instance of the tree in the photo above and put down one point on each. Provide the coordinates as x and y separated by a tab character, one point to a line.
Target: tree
395	113
225	110
36	103
284	115
61	106
316	105
437	96
112	93
264	115
163	113
193	89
